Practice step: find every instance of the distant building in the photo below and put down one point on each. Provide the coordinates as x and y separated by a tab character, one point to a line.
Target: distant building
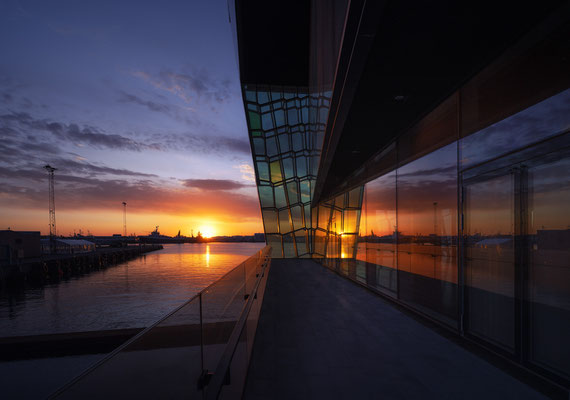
18	245
68	246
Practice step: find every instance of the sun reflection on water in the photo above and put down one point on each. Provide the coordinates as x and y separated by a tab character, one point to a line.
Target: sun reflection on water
207	256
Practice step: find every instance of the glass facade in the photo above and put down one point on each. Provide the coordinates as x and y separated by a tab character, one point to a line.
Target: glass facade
478	240
285	142
462	216
337	222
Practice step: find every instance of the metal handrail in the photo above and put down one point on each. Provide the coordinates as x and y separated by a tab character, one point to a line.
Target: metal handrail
219	377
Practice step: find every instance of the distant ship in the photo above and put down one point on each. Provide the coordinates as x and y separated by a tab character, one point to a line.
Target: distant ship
156	237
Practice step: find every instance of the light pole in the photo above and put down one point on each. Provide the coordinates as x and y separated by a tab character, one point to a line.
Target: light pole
124	218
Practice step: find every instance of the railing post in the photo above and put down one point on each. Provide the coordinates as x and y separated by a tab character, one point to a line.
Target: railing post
201	332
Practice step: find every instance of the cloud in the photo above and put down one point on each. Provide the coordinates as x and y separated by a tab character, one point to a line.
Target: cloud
151	105
143	196
214	184
247	172
204	143
24	122
190	85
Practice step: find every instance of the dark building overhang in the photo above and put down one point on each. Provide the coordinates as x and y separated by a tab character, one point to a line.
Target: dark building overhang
399	62
273	42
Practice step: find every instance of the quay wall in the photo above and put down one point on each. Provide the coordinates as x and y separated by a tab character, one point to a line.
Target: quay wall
53	267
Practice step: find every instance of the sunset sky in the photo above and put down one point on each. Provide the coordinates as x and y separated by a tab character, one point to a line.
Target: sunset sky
131	101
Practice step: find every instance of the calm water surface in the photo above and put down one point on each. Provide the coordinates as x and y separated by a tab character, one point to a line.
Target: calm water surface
133	294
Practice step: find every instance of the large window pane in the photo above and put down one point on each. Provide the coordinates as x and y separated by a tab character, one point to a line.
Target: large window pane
549	269
490	260
378	232
427	225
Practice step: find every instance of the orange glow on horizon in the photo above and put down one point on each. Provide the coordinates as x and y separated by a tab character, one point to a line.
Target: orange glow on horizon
105	223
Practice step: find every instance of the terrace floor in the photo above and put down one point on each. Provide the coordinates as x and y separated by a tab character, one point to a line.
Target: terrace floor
322	336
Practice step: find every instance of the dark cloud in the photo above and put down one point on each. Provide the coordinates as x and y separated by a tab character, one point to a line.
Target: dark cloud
151	105
205	143
23	122
67	170
213	184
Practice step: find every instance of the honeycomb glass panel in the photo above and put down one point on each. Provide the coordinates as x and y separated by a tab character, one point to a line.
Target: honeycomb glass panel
272	146
320	238
259	146
250	95
254	122
297	139
284	221
284	143
336	222
305	115
305	191
333	246
297	217
288	168
263	97
275	172
279	118
301	166
301	240
308	215
289	94
276	247
348	243
354	197
267	121
280	199
270	221
324	216
292	116
350	221
266	196
293	192
289	246
263	170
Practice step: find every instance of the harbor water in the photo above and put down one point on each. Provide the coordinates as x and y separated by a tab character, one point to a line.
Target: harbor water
134	294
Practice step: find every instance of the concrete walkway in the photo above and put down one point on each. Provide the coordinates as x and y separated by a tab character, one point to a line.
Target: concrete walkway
323	337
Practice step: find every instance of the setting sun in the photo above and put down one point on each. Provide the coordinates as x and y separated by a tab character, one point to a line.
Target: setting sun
207	231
